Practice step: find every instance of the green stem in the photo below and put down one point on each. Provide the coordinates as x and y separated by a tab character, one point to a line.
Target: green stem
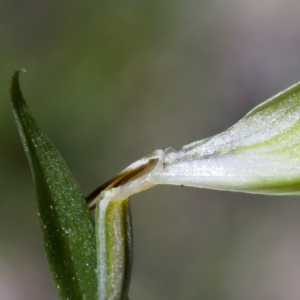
114	248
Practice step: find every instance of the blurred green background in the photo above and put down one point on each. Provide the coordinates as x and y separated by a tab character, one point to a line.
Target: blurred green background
109	82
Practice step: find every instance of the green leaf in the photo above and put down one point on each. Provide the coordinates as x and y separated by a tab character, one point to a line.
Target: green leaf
67	226
114	246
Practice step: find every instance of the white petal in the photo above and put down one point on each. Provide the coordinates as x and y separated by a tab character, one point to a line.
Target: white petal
259	154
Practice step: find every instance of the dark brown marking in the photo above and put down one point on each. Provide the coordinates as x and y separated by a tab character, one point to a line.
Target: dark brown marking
119	180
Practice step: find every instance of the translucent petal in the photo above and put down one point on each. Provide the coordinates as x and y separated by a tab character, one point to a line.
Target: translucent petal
259	154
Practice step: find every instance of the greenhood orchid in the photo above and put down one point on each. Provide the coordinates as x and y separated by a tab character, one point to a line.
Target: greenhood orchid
259	154
91	259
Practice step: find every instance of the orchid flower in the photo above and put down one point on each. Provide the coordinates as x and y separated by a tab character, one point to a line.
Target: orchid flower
259	154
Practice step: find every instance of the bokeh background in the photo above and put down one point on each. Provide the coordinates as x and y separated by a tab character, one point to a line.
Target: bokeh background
110	81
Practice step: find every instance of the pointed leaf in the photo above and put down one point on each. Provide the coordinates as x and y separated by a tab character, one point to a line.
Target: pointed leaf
67	226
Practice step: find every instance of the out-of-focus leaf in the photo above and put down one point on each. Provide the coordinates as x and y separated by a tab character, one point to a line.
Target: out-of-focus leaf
114	247
67	226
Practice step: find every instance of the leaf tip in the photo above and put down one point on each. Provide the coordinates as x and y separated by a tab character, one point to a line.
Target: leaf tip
15	75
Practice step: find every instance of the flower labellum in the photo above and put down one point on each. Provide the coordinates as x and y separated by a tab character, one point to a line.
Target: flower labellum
259	154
